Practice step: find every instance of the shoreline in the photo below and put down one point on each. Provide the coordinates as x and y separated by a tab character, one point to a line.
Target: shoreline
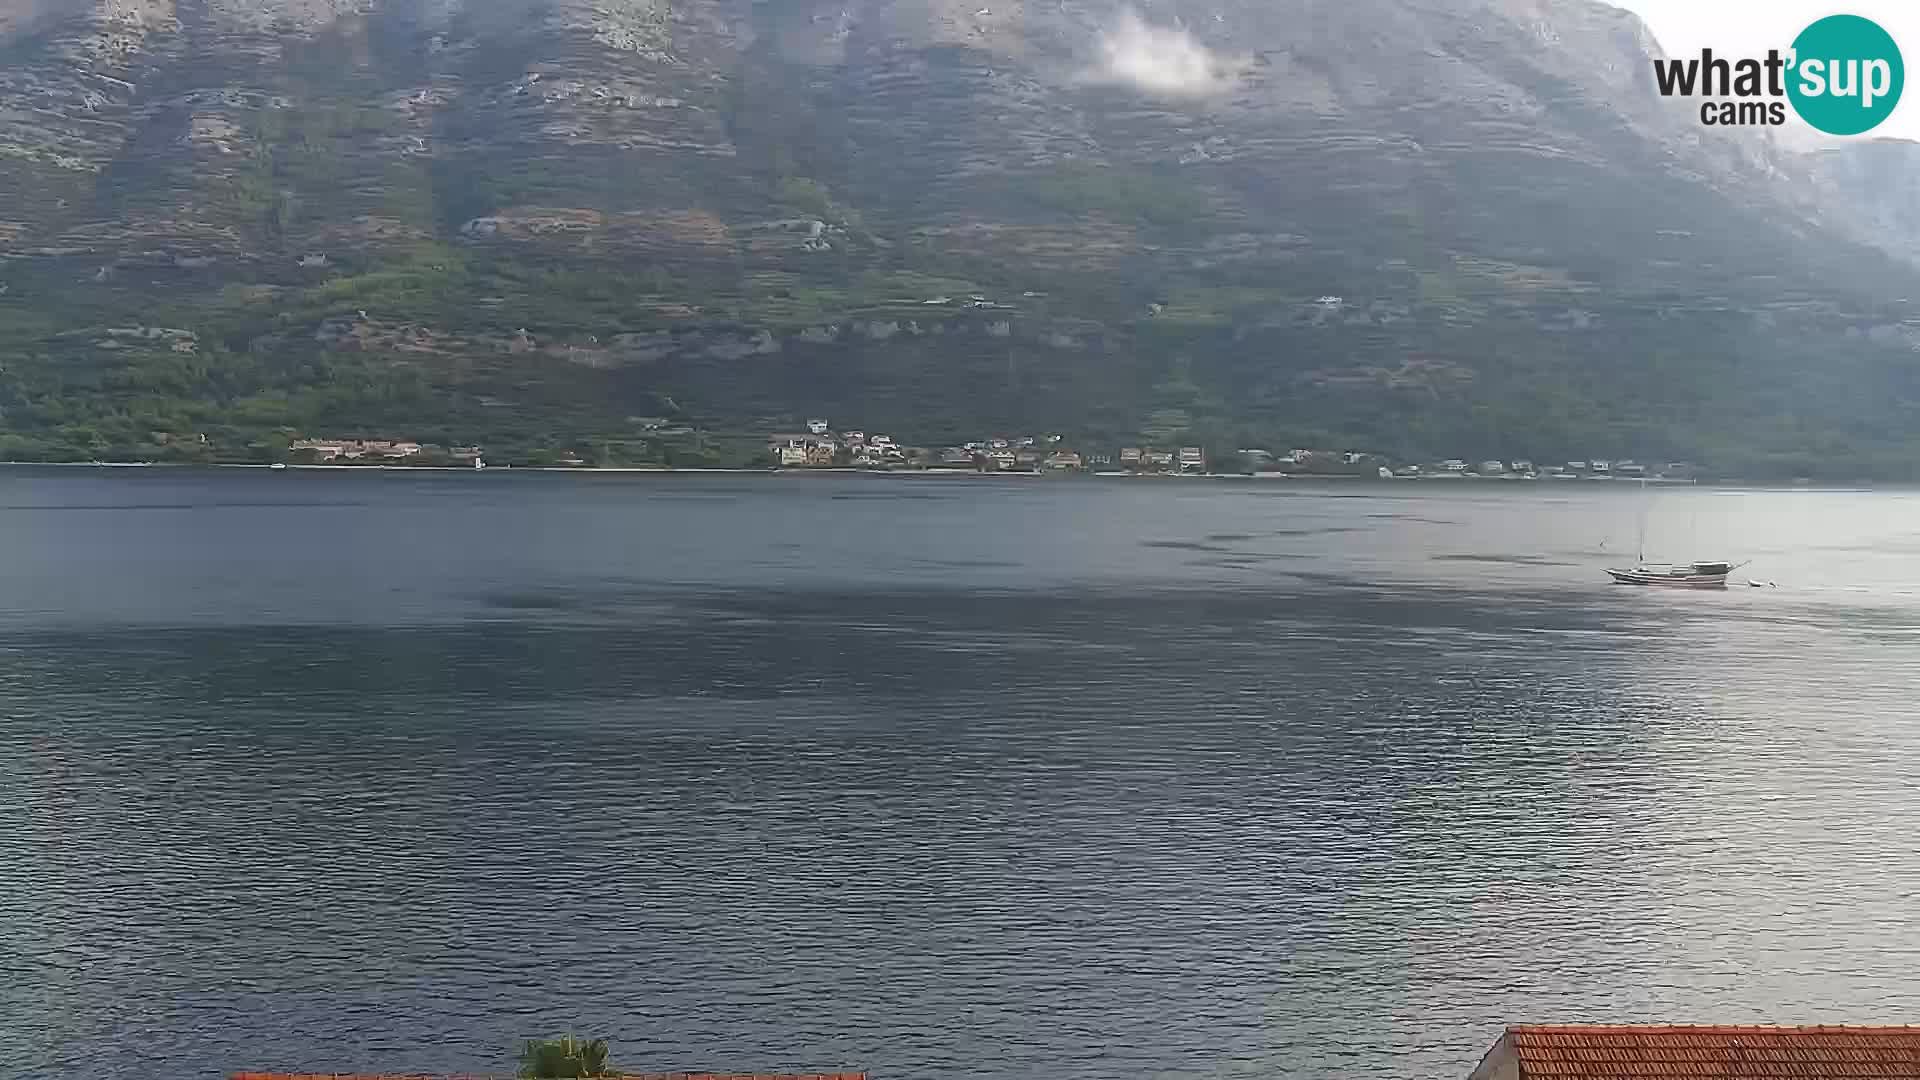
831	470
629	470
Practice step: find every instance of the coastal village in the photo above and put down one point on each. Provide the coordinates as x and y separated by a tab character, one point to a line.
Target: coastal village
821	447
388	451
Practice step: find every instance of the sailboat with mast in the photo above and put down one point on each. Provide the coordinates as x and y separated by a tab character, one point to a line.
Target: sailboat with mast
1694	575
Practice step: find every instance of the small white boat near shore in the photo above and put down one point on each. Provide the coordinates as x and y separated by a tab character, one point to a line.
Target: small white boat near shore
1704	574
1696	575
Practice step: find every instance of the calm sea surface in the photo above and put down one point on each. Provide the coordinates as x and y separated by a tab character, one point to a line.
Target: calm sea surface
941	779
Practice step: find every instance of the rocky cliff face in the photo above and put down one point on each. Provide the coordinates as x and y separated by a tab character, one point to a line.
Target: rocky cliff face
250	124
1866	188
1490	188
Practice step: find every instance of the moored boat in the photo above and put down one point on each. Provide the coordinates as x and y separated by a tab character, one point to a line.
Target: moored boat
1706	574
1697	575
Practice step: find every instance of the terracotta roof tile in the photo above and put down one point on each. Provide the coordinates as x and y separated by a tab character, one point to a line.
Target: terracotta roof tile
621	1076
1746	1052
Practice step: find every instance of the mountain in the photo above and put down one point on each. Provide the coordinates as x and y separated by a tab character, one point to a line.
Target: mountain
543	225
1865	187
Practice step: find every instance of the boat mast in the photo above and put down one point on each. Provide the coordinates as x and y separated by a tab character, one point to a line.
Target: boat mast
1642	558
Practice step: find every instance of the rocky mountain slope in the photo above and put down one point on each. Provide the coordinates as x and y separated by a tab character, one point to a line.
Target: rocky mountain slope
530	223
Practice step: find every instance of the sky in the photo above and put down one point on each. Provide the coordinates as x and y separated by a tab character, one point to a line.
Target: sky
1751	27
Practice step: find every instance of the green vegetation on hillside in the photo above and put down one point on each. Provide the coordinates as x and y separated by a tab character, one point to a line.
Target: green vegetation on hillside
638	238
1079	189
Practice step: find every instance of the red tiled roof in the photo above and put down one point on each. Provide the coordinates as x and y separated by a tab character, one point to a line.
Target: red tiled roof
1638	1051
616	1076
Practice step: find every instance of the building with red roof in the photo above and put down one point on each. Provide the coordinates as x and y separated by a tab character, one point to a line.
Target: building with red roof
1679	1052
613	1076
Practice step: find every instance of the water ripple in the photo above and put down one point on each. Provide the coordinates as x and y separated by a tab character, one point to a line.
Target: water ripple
1144	820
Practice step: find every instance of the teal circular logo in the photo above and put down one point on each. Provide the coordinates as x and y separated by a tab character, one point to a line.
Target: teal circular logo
1846	75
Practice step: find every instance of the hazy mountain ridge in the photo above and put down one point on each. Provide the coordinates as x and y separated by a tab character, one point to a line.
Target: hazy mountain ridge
556	214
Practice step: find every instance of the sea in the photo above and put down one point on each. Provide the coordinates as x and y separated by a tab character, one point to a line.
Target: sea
937	778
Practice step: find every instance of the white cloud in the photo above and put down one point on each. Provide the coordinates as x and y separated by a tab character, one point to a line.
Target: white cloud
1161	59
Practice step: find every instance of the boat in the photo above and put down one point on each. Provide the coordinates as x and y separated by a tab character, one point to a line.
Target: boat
1695	575
278	465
